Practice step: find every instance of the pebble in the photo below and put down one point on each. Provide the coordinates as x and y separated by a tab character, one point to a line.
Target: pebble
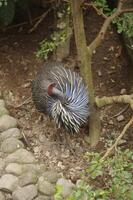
28	178
21	156
10	145
45	187
7	122
12	132
120	118
8	182
99	73
51	176
14	168
67	187
110	122
123	91
26	193
2	196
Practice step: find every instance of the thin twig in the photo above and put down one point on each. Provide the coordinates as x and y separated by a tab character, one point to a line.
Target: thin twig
99	12
26	140
39	21
23	23
117	140
28	100
121	112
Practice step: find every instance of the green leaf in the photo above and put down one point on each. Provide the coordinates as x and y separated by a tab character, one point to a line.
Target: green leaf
7	13
130	195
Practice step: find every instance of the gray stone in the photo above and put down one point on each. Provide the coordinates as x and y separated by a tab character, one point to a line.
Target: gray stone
120	118
51	176
26	193
8	182
21	156
110	122
42	197
12	132
123	91
7	122
2	165
38	168
14	168
10	145
45	187
2	196
67	187
28	178
3	111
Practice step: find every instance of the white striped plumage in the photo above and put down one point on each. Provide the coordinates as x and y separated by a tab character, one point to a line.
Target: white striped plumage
74	111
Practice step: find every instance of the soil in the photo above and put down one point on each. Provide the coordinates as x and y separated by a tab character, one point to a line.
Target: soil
18	67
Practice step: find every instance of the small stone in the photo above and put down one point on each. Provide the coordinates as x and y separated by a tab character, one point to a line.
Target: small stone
105	58
123	91
42	197
99	73
2	196
8	182
3	111
28	178
12	132
7	122
67	187
120	118
21	156
110	122
45	187
26	193
51	176
14	168
10	145
36	149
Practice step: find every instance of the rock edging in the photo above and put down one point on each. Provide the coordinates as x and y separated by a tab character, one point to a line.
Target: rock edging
21	176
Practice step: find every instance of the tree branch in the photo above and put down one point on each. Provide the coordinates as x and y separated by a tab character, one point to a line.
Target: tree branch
95	43
114	99
117	140
96	9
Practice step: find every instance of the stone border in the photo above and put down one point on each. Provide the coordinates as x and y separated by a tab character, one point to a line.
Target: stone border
21	176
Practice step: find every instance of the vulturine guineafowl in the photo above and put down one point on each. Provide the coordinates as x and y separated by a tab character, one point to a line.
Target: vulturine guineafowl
61	93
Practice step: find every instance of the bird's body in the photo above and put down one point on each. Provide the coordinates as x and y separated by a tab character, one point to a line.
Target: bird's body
61	94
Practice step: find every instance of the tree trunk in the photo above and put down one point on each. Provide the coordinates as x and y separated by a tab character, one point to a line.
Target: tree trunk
85	56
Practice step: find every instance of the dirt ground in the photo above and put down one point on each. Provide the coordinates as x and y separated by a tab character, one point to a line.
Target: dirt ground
18	67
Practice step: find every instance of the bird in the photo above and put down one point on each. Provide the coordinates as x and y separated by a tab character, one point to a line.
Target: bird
61	94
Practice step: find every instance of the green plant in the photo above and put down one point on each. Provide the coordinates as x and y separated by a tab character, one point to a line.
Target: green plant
57	195
125	24
102	6
109	179
48	46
